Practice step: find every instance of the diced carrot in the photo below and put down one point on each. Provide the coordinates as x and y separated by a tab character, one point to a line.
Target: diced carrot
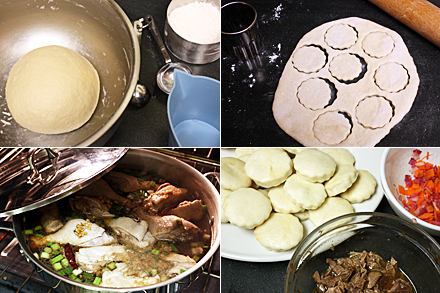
429	174
427	216
419	173
430	209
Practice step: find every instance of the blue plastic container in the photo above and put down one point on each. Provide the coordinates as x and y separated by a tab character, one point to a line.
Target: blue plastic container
194	111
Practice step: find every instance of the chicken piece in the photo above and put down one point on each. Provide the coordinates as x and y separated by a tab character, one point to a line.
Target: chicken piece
188	210
119	278
126	183
94	258
90	207
129	226
169	228
105	239
101	188
181	262
74	232
51	218
166	195
147	241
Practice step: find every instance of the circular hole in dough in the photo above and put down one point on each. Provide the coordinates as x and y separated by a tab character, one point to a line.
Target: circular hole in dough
316	93
374	112
332	127
347	68
52	90
341	36
378	44
309	58
391	77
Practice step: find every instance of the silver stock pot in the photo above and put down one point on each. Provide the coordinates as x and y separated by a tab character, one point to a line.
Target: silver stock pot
98	30
169	168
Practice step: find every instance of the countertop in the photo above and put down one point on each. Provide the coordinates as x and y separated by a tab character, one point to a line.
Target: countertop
244	277
247	93
148	126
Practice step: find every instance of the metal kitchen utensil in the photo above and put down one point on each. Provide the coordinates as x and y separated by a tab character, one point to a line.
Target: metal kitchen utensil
240	30
165	75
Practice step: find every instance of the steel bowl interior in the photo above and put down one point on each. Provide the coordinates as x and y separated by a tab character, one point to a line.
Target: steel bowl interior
384	234
98	30
175	172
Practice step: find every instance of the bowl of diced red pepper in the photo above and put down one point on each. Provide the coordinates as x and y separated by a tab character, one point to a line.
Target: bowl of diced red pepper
411	182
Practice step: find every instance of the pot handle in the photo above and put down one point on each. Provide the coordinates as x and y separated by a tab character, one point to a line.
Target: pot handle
215	175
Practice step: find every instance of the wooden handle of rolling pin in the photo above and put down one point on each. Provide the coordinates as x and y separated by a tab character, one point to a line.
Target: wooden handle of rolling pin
420	15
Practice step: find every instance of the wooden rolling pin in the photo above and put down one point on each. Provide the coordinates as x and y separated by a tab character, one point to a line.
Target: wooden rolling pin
420	15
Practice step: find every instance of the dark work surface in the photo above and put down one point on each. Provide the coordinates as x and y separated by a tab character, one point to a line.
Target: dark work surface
241	277
148	126
247	94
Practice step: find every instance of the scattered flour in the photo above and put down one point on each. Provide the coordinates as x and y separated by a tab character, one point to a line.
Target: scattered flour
197	22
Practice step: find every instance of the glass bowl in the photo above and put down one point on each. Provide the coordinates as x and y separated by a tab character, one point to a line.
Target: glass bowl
416	252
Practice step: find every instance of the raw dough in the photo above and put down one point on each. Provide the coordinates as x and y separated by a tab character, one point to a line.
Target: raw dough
280	232
374	112
281	202
233	174
314	93
269	167
362	189
247	208
344	177
341	156
345	67
299	121
378	44
340	36
52	90
314	166
309	59
391	77
332	207
304	193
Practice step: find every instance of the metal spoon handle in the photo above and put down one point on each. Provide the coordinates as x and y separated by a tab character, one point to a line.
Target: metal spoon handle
157	37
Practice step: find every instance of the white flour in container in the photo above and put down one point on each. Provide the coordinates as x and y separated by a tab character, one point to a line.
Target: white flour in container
197	22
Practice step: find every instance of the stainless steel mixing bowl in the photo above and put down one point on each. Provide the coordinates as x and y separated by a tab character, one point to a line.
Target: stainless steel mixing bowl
98	30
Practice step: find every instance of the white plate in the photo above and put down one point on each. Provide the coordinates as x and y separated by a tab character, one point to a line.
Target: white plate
240	244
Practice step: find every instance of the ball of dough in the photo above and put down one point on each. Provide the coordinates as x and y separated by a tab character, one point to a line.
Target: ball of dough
314	165
269	167
306	194
281	202
247	208
233	174
344	177
362	189
52	90
280	232
332	207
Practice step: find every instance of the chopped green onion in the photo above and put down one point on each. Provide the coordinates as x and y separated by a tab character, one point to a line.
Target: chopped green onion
182	271
88	282
97	281
39	235
106	270
152	183
47	249
55	252
153	272
49	244
38	228
156	258
111	266
87	276
57	266
72	276
36	255
174	248
45	255
194	244
165	253
205	246
68	270
140	180
28	232
204	207
65	262
62	273
155	251
196	258
55	246
56	259
164	278
206	236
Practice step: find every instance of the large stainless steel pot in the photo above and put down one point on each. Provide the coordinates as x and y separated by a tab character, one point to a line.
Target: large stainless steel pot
98	30
174	171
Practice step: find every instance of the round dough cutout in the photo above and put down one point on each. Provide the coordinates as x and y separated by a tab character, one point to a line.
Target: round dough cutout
391	77
314	93
332	128
341	36
345	67
52	90
378	44
309	59
374	112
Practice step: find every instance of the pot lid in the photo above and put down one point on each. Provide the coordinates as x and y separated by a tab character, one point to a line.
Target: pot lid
32	178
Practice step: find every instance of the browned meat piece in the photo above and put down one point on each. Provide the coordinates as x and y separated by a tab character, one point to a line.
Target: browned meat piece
400	286
372	278
51	218
101	188
165	196
126	183
334	266
188	210
169	228
92	208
